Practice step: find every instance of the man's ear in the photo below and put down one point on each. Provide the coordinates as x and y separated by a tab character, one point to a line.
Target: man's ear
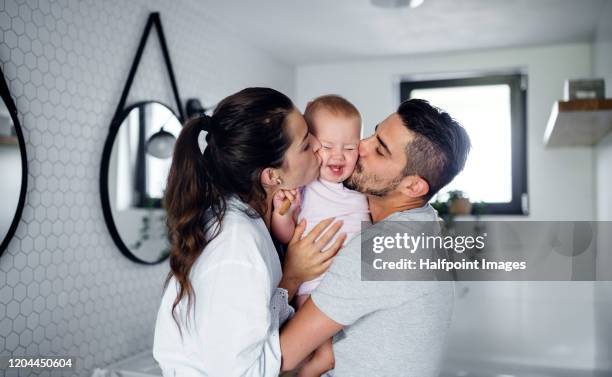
413	186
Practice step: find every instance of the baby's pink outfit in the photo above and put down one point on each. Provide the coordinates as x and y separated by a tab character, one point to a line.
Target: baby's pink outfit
321	200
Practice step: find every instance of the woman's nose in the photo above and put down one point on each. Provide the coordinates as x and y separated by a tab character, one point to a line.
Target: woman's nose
316	148
316	145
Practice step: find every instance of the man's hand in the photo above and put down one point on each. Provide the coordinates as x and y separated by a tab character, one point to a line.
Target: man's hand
306	331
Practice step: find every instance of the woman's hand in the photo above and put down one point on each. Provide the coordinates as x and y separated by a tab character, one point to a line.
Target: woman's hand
304	260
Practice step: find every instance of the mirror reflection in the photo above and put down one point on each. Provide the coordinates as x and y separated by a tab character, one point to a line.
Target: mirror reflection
139	164
11	168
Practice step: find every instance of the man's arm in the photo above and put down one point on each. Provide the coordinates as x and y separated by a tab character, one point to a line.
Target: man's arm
307	330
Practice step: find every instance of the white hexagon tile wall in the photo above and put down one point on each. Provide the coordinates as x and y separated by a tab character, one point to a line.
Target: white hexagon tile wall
65	289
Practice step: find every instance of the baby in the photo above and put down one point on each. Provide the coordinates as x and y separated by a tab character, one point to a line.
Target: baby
336	123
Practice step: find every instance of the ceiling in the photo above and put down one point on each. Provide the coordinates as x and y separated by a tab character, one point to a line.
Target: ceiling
311	31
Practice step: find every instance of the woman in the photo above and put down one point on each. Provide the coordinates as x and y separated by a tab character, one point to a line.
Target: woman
225	296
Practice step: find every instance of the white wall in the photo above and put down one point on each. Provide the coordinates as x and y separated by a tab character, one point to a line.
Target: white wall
65	289
546	324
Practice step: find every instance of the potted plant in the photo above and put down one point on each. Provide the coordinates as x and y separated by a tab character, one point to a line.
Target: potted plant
458	203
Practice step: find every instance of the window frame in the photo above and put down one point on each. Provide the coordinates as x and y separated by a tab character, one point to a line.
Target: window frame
519	204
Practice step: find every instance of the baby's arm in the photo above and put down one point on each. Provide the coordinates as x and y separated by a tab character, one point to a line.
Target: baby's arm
283	226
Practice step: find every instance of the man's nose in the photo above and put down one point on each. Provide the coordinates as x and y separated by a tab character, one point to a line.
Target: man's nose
363	147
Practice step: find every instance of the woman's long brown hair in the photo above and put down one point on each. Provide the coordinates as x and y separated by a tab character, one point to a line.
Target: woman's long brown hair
246	134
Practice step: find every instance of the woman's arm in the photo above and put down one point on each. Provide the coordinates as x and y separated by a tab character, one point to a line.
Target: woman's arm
290	284
236	330
236	317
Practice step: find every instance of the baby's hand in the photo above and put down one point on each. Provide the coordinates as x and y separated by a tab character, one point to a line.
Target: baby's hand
279	198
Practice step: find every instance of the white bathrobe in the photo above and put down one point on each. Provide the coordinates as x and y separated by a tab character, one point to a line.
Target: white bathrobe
239	308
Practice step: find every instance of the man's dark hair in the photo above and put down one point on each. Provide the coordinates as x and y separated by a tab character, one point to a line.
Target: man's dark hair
440	146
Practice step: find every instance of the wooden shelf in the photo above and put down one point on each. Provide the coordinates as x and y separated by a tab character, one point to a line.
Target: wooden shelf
9	140
578	122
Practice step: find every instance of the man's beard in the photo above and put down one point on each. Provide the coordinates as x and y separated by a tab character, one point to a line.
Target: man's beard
363	182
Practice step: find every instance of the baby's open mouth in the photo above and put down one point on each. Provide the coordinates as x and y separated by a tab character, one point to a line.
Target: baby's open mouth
336	170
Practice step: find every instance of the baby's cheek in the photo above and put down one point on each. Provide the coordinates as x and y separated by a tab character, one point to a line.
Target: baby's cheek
351	159
324	157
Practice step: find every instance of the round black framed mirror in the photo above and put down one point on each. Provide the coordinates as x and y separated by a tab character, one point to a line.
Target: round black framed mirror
135	164
13	165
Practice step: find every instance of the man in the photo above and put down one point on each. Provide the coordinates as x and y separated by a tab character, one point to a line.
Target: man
389	328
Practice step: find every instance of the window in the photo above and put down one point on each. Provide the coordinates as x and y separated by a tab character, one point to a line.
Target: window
492	110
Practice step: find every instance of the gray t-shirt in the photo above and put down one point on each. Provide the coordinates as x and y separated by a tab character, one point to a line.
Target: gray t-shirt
392	328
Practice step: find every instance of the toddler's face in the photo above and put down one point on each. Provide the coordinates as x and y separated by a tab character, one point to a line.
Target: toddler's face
339	138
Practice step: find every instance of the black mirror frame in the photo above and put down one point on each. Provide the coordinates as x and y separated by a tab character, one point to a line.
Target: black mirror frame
106	207
153	21
10	105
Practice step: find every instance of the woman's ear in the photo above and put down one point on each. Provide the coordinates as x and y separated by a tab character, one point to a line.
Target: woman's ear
270	178
414	186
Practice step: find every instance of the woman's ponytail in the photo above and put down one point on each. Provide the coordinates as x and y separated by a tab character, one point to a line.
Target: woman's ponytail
189	193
